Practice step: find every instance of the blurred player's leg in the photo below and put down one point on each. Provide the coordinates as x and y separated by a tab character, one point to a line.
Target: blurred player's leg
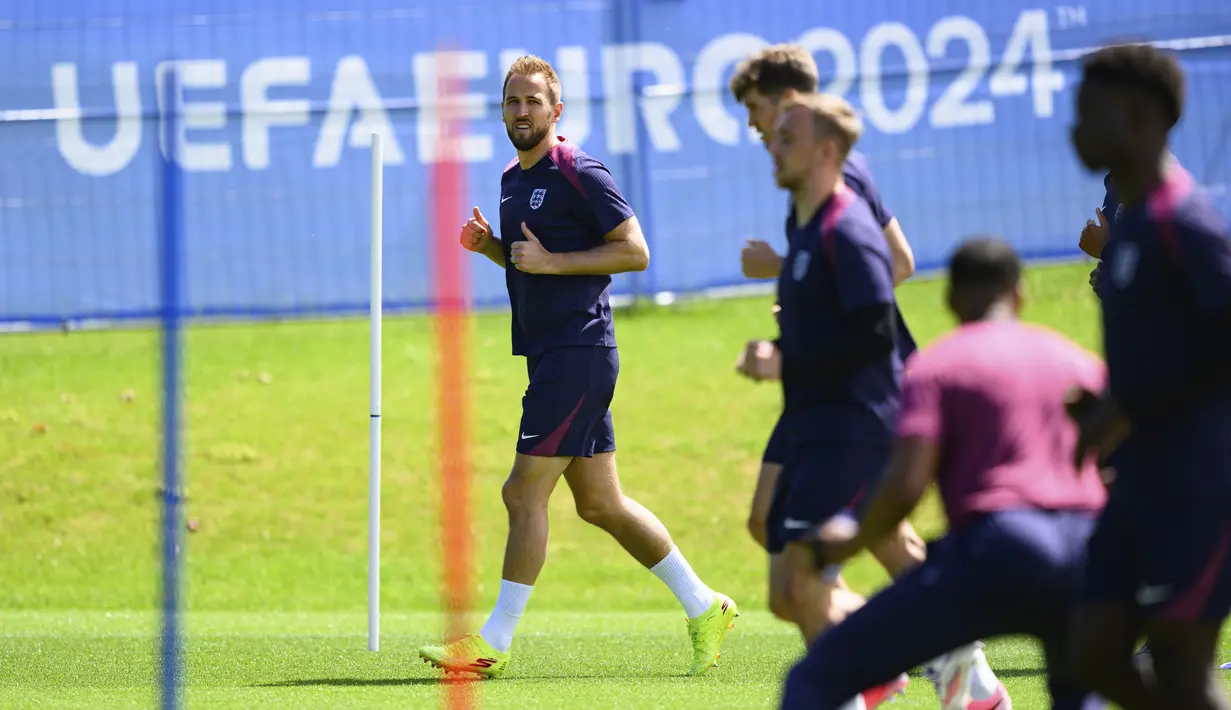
900	553
1184	664
819	479
767	483
1106	624
762	497
1101	651
601	502
1066	693
1007	575
867	649
1185	595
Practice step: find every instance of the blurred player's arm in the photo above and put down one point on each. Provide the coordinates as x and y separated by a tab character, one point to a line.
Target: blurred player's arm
758	260
912	468
903	255
899	248
1204	259
1094	236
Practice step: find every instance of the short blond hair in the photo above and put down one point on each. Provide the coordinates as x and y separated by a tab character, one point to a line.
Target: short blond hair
775	69
832	117
529	65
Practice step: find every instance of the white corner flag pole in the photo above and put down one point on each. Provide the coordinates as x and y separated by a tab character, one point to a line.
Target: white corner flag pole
374	420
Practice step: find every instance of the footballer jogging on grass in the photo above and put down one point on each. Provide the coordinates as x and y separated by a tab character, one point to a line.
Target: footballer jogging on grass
566	229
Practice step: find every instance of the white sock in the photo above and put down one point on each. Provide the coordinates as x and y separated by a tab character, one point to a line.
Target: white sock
675	572
855	703
498	631
983	680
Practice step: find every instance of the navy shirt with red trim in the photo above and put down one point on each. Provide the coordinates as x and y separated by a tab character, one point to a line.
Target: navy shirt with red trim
836	264
570	202
1166	275
858	176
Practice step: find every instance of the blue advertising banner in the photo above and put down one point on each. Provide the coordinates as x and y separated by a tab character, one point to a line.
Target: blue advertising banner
966	106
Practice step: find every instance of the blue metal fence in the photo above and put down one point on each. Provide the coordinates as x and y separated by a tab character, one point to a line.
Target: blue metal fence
966	102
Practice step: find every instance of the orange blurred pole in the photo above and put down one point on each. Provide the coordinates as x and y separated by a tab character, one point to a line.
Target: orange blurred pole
451	291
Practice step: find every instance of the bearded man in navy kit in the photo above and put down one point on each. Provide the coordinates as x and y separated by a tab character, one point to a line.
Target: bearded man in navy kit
566	230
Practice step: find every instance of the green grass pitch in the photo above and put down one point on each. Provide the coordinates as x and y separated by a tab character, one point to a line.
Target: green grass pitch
277	499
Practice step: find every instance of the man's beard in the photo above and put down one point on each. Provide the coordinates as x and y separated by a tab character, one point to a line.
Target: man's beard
533	138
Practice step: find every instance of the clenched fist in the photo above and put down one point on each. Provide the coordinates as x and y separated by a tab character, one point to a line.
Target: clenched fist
531	256
760	360
759	260
1094	236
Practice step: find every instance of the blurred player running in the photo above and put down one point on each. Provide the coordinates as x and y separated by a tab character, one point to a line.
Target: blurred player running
566	230
1093	239
1158	561
983	416
762	83
836	355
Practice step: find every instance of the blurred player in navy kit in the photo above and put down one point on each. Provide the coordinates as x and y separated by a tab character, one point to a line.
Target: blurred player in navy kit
566	230
836	355
982	416
760	83
1093	239
1158	560
763	83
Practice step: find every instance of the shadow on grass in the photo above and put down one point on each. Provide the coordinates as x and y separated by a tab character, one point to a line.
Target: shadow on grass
1000	672
1020	672
389	682
349	682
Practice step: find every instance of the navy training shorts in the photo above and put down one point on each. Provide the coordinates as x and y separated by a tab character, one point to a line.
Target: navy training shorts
566	410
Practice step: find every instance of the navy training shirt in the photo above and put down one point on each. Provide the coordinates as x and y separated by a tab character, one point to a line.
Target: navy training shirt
858	177
570	202
1111	209
836	263
1166	271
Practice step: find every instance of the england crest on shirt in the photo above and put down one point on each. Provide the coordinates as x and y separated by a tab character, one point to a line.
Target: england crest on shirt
1124	264
536	198
1119	212
799	268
